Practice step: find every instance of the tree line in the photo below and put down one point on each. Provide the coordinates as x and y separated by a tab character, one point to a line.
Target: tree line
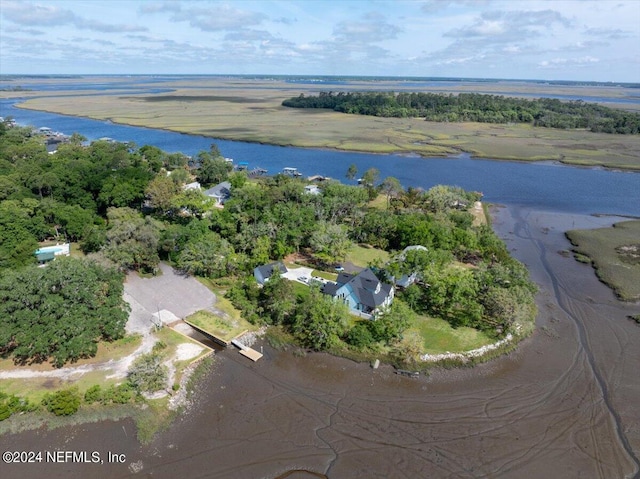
474	107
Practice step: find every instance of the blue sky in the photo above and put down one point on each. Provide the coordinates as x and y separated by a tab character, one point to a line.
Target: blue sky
537	39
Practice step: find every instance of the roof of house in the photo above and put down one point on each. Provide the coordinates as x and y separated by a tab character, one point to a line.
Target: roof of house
222	190
366	286
267	270
192	186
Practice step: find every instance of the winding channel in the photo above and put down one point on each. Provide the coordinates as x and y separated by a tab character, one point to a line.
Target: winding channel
522	230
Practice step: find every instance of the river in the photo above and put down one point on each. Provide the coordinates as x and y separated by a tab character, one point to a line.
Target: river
548	186
564	404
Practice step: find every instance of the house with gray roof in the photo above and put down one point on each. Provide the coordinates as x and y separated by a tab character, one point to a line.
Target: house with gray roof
363	292
266	271
221	192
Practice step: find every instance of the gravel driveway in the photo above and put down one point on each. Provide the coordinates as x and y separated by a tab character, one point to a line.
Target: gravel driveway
178	294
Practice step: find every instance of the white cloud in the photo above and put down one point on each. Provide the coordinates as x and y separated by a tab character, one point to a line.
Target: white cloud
506	26
564	62
30	14
371	29
564	39
217	17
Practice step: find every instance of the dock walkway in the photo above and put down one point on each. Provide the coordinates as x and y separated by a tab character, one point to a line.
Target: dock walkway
247	351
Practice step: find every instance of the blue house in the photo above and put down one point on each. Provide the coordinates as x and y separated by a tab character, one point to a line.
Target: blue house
363	292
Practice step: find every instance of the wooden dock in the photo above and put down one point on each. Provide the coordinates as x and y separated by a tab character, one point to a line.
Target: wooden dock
246	351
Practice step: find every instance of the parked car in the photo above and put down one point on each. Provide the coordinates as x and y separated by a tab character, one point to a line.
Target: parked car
339	268
303	279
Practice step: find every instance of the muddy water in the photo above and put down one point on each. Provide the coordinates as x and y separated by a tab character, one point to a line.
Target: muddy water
565	404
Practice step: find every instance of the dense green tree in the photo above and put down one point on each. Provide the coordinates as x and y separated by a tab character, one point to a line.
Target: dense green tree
160	193
360	335
320	321
352	172
192	203
124	187
370	179
543	112
132	240
60	312
391	187
208	255
213	170
277	300
330	242
453	295
20	229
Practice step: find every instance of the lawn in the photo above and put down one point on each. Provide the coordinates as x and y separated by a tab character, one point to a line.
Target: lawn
615	255
439	337
225	327
324	274
173	340
364	255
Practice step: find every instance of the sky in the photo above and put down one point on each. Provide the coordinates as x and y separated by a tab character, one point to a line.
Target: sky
580	40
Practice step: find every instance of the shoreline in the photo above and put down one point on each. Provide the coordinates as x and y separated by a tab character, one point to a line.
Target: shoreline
333	416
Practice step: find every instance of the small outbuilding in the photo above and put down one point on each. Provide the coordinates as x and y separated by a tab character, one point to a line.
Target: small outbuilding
49	253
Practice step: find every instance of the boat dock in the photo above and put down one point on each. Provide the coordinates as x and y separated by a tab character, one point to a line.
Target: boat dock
290	171
247	351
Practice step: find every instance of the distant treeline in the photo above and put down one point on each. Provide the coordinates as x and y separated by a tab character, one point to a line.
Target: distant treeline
544	112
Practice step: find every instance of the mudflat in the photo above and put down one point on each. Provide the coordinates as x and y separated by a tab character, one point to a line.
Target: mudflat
564	404
250	110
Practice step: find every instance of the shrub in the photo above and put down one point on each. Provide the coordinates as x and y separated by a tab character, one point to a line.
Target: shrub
147	374
63	403
93	394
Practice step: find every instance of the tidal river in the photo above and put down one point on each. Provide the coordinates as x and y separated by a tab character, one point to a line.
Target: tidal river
564	405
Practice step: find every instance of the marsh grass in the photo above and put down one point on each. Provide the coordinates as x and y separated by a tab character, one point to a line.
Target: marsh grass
615	255
254	113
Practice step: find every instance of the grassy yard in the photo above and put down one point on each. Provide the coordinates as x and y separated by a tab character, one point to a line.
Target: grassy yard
225	328
325	275
363	255
615	255
439	337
